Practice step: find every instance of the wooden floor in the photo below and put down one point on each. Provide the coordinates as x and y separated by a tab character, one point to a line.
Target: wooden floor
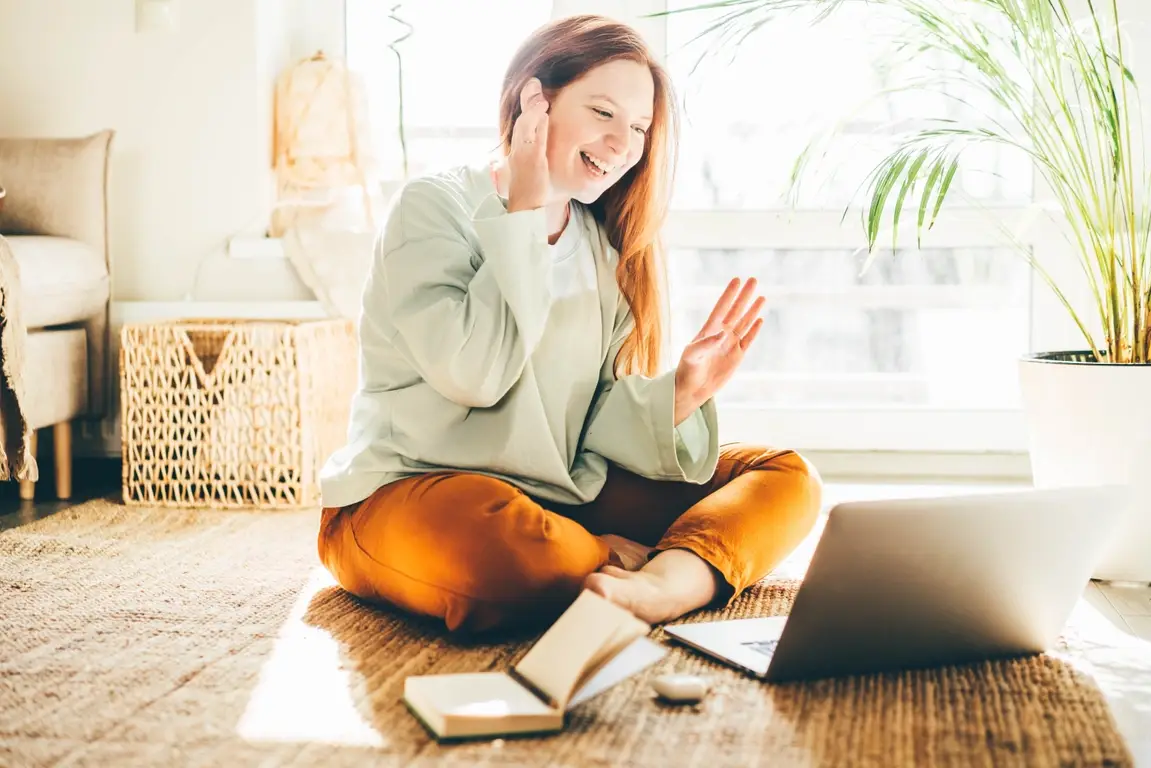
1110	630
91	478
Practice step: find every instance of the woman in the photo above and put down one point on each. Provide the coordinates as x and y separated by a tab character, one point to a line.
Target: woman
511	442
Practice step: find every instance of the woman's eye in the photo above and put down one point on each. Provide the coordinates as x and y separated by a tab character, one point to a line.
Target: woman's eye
602	112
642	131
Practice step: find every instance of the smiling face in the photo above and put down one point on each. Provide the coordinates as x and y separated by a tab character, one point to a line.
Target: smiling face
597	127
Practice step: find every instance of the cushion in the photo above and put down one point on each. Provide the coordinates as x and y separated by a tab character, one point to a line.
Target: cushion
56	186
63	280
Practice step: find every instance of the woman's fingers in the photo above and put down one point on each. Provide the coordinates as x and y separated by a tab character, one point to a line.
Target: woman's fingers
739	306
533	108
542	133
732	310
532	120
529	186
749	337
749	317
530	94
719	312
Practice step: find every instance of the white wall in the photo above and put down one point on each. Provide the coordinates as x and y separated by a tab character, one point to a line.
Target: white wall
192	111
315	25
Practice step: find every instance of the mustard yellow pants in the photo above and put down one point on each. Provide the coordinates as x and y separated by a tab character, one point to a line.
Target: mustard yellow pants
480	554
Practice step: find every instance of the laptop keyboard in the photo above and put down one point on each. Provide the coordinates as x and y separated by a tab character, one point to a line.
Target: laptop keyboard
765	647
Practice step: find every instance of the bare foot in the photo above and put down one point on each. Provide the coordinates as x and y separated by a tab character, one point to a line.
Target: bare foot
673	583
625	553
636	591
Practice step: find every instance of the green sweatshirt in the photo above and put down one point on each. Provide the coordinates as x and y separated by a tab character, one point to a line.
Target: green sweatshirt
484	349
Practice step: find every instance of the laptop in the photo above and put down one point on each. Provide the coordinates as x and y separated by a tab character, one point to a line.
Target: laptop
922	582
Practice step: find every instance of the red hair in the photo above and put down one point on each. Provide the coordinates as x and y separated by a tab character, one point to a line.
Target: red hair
632	210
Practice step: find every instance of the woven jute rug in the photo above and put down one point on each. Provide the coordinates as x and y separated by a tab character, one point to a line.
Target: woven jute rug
137	636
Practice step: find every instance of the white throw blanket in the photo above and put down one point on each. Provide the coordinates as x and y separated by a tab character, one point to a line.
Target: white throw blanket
16	459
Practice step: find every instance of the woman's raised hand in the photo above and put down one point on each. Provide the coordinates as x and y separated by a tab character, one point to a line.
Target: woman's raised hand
713	356
528	162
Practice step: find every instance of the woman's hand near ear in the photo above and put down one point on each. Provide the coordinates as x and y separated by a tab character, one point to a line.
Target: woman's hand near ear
529	184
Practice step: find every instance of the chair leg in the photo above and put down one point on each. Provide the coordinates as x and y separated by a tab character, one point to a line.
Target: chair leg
28	487
62	442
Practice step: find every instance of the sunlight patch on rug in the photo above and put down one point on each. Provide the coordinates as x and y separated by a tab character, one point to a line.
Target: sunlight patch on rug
305	690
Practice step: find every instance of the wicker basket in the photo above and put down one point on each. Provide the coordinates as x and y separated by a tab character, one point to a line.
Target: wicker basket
233	413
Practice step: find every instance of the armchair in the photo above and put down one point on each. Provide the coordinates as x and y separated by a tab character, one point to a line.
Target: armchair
54	220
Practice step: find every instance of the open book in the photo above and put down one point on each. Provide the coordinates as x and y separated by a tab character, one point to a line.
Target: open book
591	647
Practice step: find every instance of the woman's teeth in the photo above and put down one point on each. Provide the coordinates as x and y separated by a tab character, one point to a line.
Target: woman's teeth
603	169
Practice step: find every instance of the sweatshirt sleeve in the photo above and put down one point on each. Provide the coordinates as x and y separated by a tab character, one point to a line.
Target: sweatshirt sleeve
632	422
468	313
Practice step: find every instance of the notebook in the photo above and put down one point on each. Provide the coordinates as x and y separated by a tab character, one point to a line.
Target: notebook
593	646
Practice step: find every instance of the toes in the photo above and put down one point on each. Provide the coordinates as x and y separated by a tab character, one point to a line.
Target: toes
613	585
600	584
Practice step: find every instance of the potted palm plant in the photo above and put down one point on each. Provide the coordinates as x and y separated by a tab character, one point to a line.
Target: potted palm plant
1041	78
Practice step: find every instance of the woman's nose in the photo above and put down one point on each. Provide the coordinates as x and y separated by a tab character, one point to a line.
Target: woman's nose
616	143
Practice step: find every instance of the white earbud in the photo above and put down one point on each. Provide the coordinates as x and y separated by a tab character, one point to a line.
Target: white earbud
687	689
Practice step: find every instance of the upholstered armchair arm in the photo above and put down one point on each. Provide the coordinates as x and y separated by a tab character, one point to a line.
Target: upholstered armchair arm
56	187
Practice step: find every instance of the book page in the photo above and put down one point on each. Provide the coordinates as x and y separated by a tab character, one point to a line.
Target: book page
556	663
620	639
638	655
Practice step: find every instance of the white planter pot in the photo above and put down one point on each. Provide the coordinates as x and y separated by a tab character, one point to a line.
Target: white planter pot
1090	424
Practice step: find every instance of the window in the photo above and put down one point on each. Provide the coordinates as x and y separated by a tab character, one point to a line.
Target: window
917	353
902	334
450	110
